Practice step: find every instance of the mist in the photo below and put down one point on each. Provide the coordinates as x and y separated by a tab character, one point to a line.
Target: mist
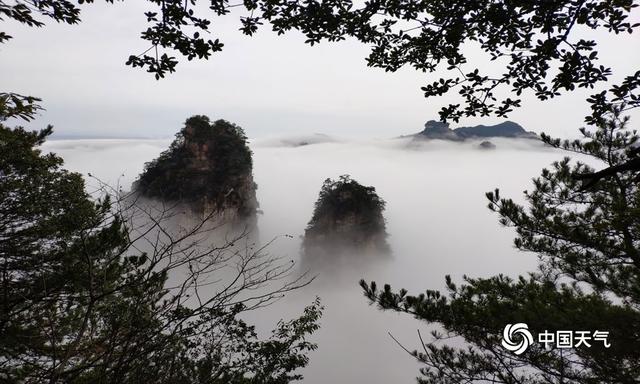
436	217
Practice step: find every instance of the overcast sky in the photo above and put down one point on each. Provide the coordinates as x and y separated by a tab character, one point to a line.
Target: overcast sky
268	84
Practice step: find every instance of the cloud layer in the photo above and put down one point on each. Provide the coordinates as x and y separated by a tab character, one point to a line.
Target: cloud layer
436	217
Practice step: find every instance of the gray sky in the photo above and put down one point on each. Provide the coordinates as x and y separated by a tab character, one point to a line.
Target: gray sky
269	85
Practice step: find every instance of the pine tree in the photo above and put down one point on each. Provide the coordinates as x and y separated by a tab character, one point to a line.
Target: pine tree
587	237
80	304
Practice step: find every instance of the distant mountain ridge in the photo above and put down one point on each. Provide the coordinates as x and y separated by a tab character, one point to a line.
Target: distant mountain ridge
441	131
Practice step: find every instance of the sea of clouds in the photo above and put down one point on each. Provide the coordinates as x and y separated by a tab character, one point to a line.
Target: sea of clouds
436	218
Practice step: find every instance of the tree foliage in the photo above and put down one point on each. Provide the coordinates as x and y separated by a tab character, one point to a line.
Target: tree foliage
84	293
536	44
588	242
13	105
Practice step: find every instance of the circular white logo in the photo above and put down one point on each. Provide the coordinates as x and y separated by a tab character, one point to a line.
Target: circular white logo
521	330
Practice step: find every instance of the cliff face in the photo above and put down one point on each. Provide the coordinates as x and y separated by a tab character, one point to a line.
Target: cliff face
438	130
441	131
347	220
208	167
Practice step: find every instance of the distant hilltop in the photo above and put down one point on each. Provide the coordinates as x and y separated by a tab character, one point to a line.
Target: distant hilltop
441	131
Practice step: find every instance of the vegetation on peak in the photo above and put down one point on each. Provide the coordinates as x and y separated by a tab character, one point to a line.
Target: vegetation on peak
207	162
200	129
348	209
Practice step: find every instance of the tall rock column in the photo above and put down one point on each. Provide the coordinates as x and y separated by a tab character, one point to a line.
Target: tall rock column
208	168
347	225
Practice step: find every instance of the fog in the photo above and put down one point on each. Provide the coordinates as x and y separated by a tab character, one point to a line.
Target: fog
436	218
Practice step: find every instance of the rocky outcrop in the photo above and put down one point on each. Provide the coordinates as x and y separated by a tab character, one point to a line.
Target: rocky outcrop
441	131
347	222
486	145
208	167
301	141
